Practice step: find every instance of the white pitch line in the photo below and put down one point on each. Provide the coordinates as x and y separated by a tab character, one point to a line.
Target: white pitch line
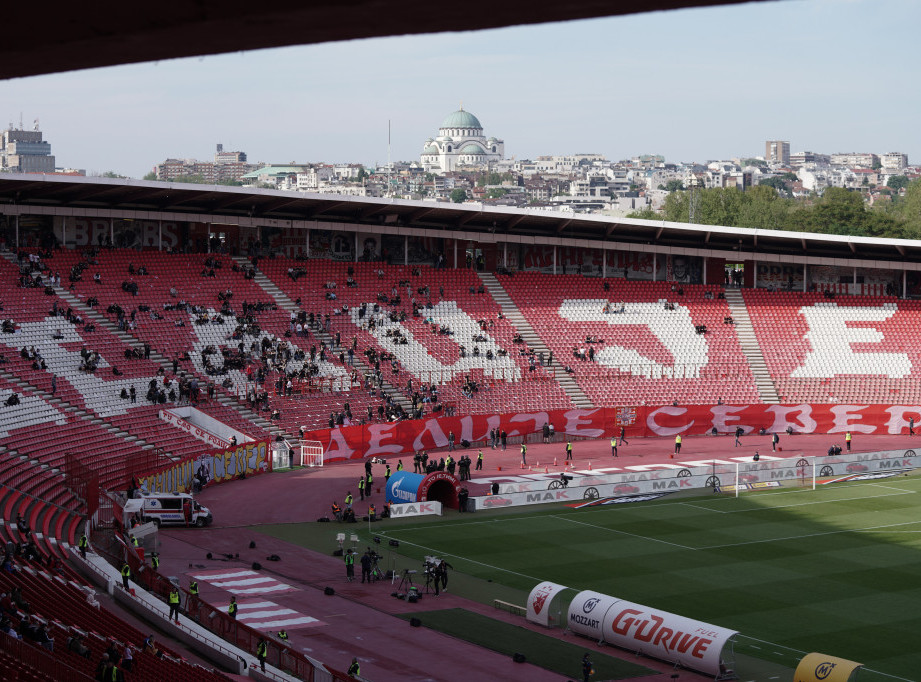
807	535
623	532
805	504
472	561
697	506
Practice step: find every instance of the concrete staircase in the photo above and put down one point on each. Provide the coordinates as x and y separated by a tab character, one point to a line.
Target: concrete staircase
283	301
523	327
750	347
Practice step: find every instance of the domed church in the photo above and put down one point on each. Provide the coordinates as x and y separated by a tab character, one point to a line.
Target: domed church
460	142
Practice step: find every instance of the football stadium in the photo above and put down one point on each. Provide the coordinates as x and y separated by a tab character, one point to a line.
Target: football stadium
249	434
234	411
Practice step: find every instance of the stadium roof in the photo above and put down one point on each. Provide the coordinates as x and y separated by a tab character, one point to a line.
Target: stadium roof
108	32
81	196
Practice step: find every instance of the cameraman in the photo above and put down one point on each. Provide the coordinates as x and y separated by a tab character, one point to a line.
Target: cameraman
366	565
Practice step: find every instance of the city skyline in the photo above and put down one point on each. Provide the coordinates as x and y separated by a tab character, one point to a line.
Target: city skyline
698	84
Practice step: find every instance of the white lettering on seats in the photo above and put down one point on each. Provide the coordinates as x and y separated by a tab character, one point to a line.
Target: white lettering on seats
831	341
673	328
414	356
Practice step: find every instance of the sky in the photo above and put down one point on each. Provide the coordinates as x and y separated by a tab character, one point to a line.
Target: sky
692	85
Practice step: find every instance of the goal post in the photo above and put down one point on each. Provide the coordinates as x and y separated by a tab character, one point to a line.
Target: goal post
770	472
311	453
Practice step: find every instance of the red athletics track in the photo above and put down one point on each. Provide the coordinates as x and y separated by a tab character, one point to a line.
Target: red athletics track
358	620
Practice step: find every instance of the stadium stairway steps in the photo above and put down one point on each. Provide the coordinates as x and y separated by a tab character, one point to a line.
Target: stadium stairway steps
164	362
750	346
283	301
78	411
523	327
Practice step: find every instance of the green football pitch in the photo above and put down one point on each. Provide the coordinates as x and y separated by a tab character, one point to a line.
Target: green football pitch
836	570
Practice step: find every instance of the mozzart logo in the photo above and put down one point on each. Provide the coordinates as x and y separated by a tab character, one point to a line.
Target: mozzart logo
823	670
590	605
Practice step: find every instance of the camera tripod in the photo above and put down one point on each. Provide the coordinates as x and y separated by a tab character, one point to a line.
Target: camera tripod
407	581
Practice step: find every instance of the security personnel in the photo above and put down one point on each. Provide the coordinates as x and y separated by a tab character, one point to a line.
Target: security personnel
361	488
354	669
387	475
174	605
193	596
349	565
155	560
232	609
126	573
134	542
368	485
524	455
262	652
348	500
283	635
337	511
399	465
847	439
614	446
677	443
568	449
84	541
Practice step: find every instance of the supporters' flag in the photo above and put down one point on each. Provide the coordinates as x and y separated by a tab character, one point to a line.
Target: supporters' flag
626	416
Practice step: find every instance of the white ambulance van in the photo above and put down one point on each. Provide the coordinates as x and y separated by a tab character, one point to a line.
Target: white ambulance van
170	508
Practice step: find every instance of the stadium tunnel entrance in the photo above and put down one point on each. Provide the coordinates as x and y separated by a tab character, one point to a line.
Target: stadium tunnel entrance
444	492
440	486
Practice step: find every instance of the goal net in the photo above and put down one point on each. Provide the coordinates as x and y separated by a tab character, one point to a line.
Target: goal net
311	453
769	471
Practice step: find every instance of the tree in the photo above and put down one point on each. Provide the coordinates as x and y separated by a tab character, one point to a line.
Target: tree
644	214
777	183
191	179
674	186
458	195
495	193
231	182
111	174
362	174
897	182
152	175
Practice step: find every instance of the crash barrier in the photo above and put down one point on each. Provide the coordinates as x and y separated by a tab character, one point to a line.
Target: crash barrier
403	438
719	475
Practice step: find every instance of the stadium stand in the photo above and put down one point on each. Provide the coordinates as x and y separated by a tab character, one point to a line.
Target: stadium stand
428	355
807	339
687	354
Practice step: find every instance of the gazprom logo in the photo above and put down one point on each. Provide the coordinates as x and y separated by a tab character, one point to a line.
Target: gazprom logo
823	670
402	494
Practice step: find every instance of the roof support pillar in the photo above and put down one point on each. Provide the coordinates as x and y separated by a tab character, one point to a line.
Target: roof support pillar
405	249
160	226
554	259
904	283
505	254
604	263
112	232
805	277
655	266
